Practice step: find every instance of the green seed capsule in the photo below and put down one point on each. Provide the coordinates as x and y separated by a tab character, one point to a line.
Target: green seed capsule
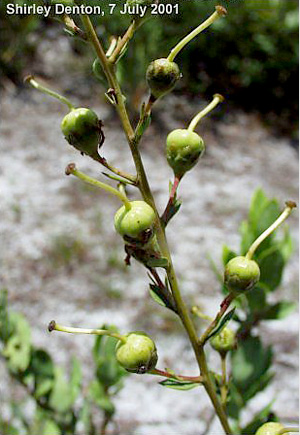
138	354
136	223
183	150
224	341
162	75
81	128
241	274
271	428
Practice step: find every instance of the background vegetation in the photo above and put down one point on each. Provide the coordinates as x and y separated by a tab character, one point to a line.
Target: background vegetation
251	57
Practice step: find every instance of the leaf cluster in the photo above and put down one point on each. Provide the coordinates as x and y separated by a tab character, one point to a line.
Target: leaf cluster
61	405
251	362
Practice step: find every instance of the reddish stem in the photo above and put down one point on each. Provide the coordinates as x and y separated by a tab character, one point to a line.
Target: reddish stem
176	377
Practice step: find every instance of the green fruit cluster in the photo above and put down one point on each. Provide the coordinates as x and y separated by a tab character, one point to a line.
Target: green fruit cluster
183	150
162	75
241	274
81	129
138	354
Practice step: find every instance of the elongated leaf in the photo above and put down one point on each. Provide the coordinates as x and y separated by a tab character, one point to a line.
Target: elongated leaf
223	322
61	396
75	379
18	346
156	298
250	362
179	385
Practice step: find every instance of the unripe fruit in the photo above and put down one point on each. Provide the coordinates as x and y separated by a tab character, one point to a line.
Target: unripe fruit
81	129
241	274
183	150
137	222
162	76
271	428
138	354
224	341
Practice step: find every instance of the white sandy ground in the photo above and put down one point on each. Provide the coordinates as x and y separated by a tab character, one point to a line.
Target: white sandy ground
39	203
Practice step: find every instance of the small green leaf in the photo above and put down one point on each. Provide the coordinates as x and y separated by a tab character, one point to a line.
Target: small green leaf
100	398
51	428
61	397
6	327
156	298
256	299
227	255
179	385
279	311
271	269
18	347
75	379
108	370
222	323
249	362
43	387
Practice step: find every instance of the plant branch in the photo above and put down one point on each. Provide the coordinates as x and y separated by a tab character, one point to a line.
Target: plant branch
123	41
176	377
144	187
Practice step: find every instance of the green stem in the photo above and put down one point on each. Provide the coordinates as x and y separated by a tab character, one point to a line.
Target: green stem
145	190
220	12
122	42
71	169
53	326
31	80
284	215
216	100
224	381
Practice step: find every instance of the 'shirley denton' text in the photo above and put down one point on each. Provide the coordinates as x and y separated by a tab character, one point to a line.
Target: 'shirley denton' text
58	9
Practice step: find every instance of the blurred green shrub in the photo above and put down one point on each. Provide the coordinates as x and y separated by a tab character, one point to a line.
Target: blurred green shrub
252	57
61	404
